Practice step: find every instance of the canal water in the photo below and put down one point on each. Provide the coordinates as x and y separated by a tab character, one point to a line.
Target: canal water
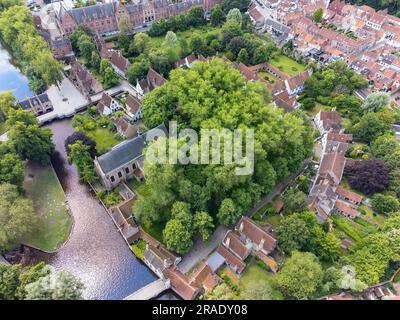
11	77
95	251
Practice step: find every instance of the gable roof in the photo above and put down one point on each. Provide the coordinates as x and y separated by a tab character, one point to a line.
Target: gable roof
133	103
237	246
256	234
104	102
119	61
231	259
126	151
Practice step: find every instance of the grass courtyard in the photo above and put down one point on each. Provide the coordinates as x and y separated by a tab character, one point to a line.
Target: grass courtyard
287	65
43	188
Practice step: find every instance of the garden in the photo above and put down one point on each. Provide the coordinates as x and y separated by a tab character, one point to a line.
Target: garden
287	65
99	128
43	188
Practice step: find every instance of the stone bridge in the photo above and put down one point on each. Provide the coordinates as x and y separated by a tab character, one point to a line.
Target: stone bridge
152	290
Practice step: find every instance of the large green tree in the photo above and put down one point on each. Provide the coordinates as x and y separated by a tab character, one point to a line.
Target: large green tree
300	277
17	216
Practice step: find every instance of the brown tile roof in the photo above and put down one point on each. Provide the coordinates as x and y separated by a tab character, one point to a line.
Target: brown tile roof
299	80
180	283
231	259
332	166
256	234
340	137
330	119
105	101
133	103
203	277
237	246
119	61
347	194
278	205
346	209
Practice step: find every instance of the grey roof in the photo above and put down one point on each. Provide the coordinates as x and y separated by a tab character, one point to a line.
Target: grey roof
26	104
277	26
215	261
94	12
126	151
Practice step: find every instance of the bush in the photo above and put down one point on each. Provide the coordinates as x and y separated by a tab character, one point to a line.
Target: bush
139	248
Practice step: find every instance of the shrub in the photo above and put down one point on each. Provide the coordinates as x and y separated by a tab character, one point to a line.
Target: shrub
139	248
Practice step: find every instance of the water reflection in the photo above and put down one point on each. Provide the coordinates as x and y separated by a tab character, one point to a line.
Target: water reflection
95	251
11	77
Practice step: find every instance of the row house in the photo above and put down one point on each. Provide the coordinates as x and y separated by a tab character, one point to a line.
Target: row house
152	80
84	80
104	18
39	104
119	63
107	105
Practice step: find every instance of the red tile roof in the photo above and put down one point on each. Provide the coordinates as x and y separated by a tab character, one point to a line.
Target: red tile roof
231	259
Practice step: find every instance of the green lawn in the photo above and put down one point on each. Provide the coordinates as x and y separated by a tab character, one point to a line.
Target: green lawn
43	188
273	219
269	77
155	230
287	65
105	139
254	273
355	230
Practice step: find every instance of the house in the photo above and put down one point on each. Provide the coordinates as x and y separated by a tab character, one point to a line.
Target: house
235	263
125	160
346	209
107	105
39	104
133	107
84	80
186	62
349	196
251	232
203	277
236	245
62	49
125	128
327	121
119	63
152	80
295	85
104	18
158	259
181	283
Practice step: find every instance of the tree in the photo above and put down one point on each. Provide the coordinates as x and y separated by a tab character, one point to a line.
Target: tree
109	76
347	104
318	15
217	16
204	224
32	142
197	44
62	287
125	25
80	136
137	71
26	117
257	290
17	216
7	103
80	156
177	237
293	233
196	17
9	280
384	146
227	213
4	4
242	5
385	203
234	15
140	44
181	212
368	176
86	46
171	39
243	56
12	169
295	201
220	292
300	276
95	60
372	125
375	102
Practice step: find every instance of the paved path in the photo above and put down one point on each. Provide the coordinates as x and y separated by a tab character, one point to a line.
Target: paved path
152	290
201	250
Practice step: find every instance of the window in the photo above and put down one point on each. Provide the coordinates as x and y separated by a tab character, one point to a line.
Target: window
133	166
112	179
127	170
119	174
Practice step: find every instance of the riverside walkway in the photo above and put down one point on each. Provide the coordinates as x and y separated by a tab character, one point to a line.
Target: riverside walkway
152	290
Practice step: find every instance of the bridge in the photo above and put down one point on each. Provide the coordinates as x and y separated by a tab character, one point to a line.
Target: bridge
152	290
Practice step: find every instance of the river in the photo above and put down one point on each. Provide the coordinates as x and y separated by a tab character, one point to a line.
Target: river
95	251
11	77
